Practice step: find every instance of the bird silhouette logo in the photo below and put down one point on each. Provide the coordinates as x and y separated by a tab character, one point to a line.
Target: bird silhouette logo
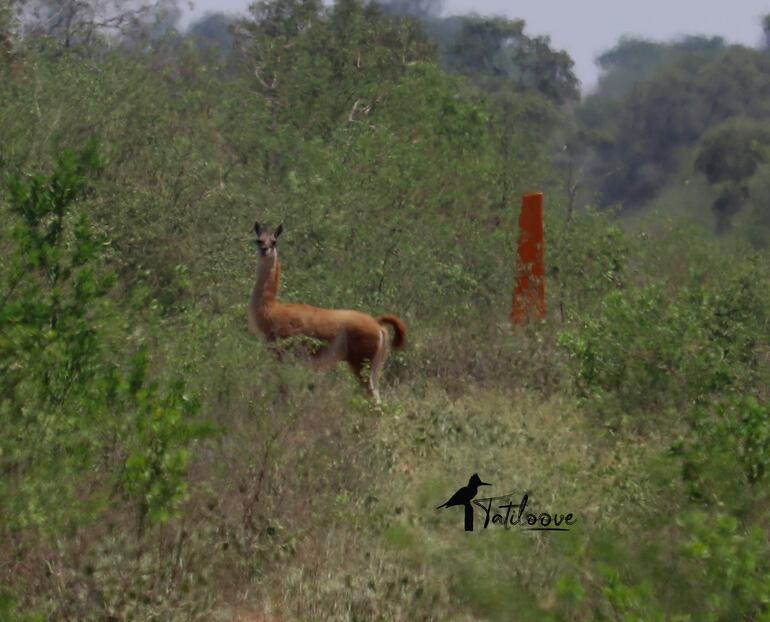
464	496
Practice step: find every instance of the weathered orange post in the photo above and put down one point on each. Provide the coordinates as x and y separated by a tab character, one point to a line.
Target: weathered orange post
529	292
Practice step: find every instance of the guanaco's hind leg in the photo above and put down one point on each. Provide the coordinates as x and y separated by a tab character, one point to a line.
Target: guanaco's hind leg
359	369
368	371
376	368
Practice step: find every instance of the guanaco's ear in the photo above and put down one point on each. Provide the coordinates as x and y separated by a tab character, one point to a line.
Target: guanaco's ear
278	231
257	228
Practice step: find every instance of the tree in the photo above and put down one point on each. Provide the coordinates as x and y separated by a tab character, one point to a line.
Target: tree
6	30
212	33
497	54
83	22
317	67
645	138
635	60
728	156
420	9
76	421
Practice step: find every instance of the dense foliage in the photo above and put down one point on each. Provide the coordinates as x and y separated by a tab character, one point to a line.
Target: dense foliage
662	113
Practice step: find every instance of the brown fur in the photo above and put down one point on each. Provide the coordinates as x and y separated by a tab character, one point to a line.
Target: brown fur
351	336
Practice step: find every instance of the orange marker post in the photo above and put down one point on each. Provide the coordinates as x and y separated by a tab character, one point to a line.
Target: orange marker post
529	293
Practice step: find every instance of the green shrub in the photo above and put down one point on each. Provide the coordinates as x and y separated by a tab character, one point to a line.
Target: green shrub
74	416
627	355
712	567
726	455
648	349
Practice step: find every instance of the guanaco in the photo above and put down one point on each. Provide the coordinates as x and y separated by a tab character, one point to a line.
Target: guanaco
351	336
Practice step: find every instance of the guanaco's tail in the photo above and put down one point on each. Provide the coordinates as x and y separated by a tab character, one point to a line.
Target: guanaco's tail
398	327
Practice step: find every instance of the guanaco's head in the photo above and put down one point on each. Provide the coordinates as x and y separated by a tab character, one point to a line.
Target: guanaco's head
266	242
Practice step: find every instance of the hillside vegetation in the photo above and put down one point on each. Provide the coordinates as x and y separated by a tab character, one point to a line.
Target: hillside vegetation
159	463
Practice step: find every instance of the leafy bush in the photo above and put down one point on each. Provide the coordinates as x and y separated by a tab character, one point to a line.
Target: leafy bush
588	258
648	349
77	423
722	572
726	455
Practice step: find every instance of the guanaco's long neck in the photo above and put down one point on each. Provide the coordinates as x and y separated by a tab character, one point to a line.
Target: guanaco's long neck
265	289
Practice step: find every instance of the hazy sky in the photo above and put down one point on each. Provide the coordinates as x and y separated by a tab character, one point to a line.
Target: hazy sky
585	28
